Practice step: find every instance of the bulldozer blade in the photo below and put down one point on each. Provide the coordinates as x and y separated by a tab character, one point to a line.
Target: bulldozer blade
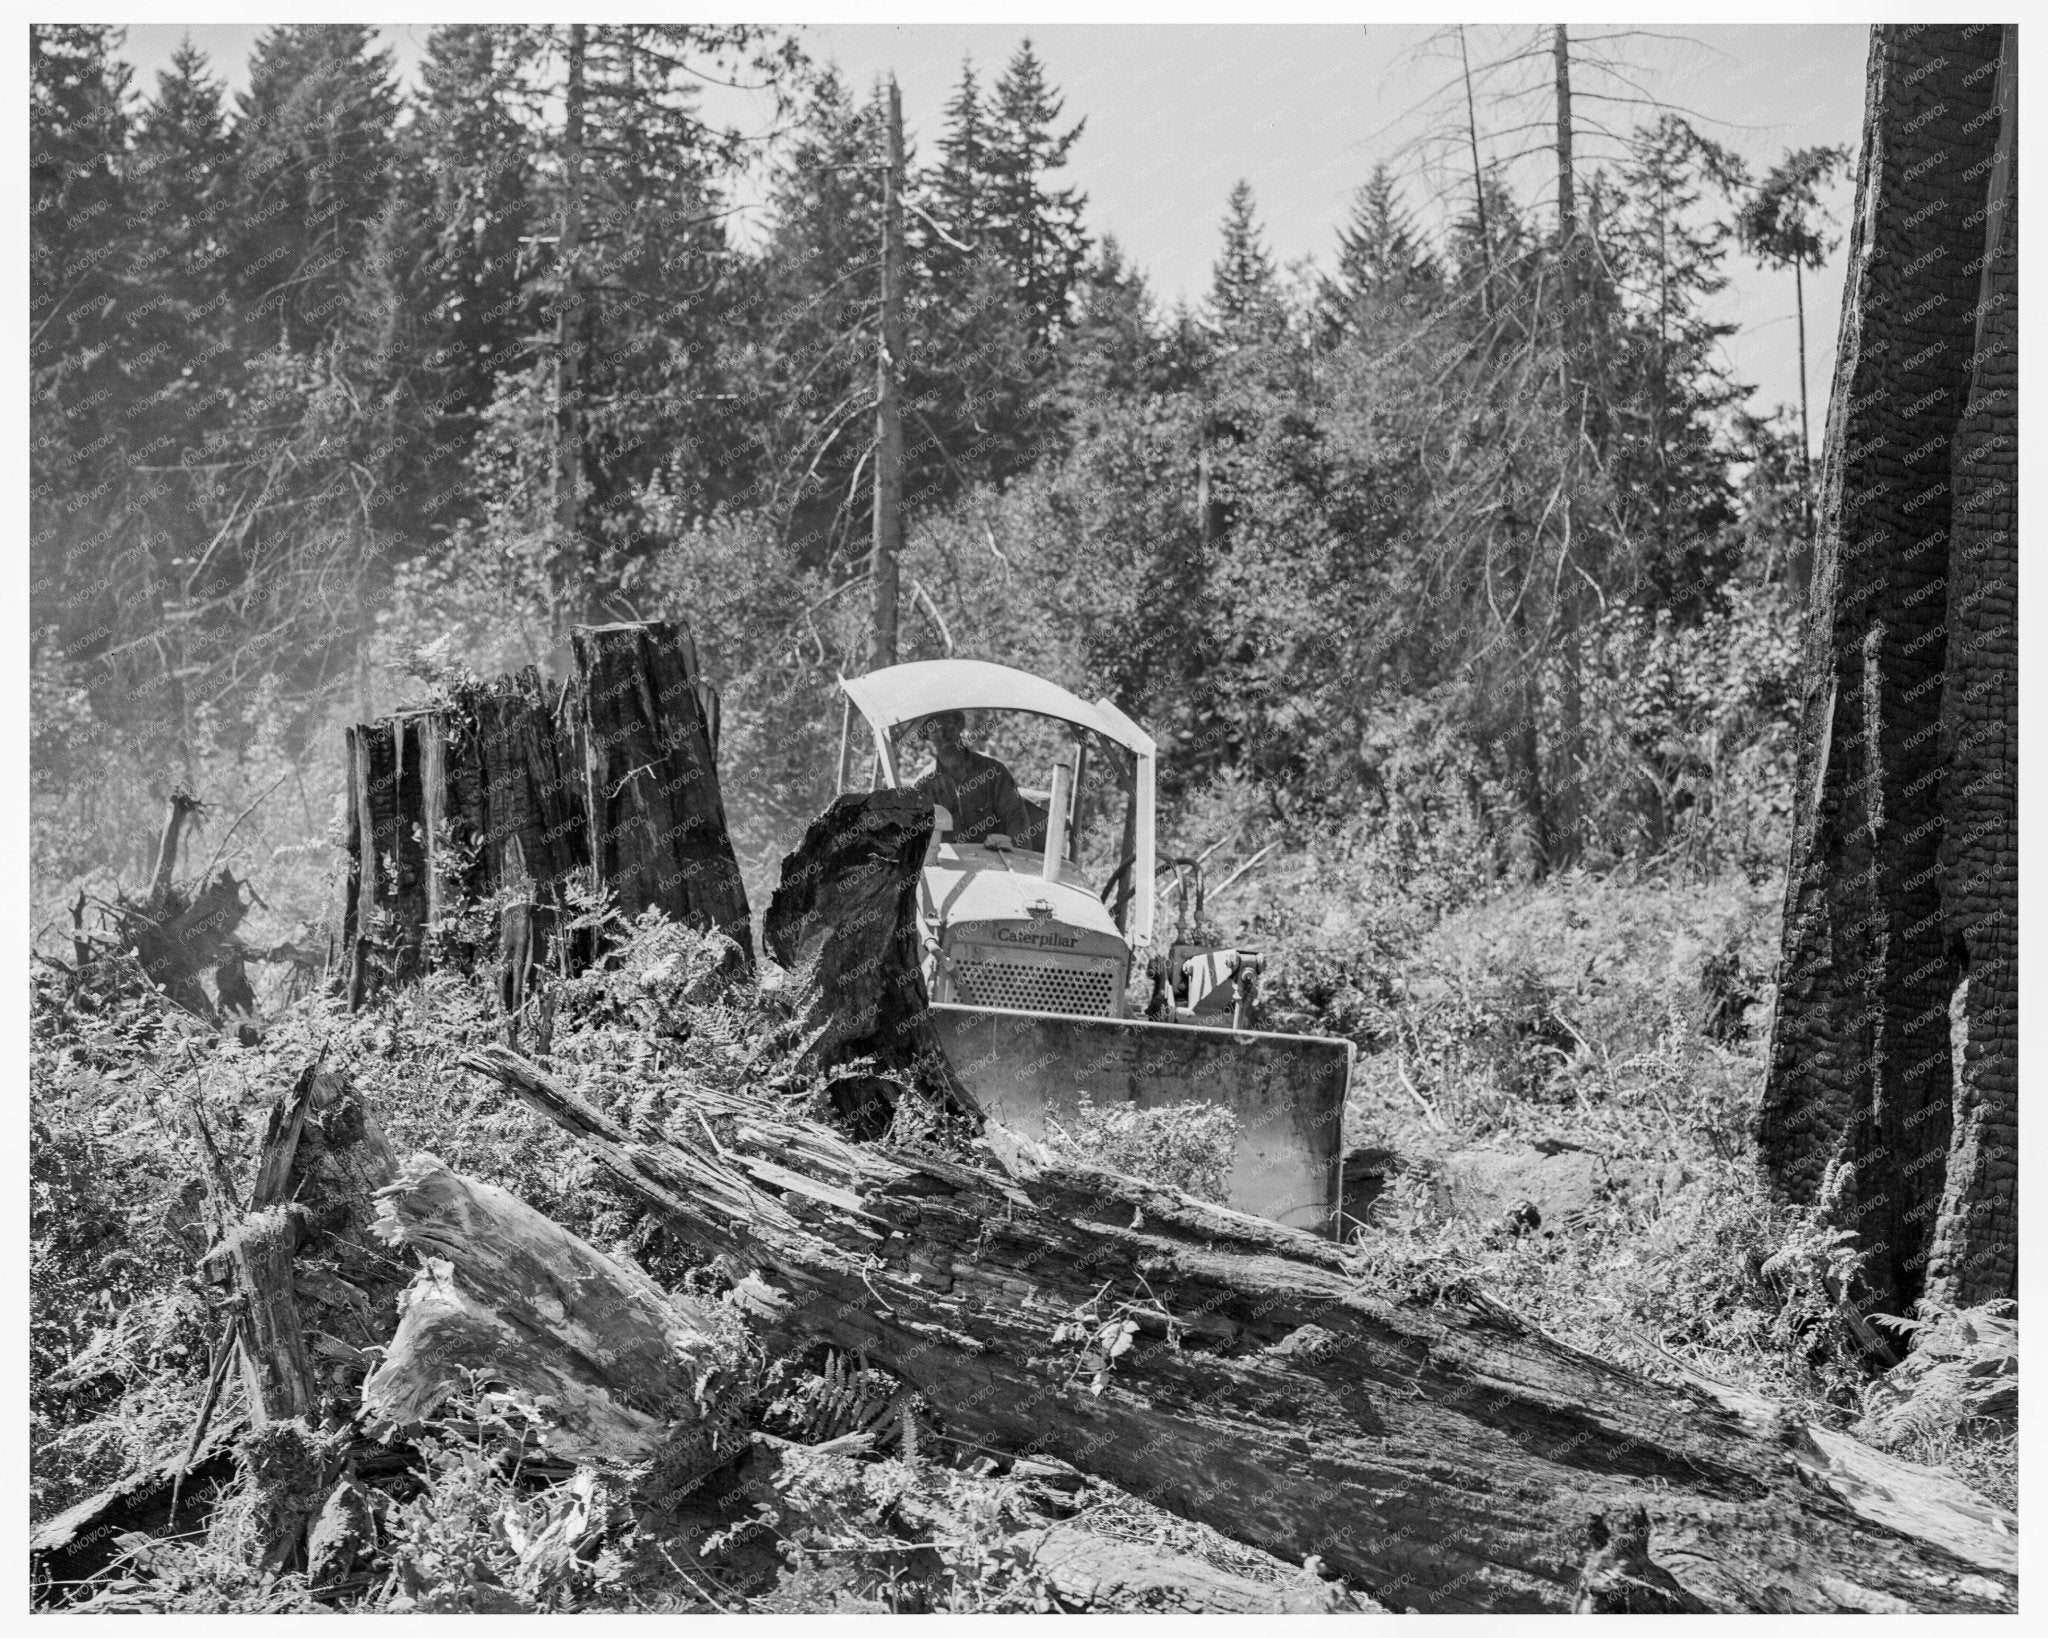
1286	1091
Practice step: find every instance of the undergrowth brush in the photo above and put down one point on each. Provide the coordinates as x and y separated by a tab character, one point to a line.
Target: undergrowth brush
1623	1016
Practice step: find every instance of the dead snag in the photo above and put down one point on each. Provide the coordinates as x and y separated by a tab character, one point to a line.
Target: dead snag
658	835
1425	1443
627	1372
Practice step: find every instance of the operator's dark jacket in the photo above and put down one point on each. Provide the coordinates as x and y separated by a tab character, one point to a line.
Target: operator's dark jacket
983	801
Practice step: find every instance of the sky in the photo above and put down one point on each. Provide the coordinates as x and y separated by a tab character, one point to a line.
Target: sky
1177	113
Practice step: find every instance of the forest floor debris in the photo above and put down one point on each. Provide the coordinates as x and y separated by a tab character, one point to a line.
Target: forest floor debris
1705	1278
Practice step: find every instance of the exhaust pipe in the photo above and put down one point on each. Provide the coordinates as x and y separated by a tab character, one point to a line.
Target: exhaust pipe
1056	820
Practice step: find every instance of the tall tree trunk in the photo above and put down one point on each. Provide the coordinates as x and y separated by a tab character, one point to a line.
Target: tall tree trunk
1860	1102
1478	184
569	333
889	361
1976	1233
1567	803
1802	560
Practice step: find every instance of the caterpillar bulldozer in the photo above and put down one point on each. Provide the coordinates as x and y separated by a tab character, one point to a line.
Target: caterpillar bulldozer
1048	982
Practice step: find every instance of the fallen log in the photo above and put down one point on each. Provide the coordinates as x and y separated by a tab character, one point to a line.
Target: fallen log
67	1550
625	1373
1428	1445
820	1504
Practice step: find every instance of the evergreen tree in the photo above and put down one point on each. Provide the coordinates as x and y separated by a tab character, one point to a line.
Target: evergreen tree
1661	389
1380	262
1244	293
1034	229
1110	352
978	401
80	240
313	172
955	191
810	352
181	316
469	140
632	297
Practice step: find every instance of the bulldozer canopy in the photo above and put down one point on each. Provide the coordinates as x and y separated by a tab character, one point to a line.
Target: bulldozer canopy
904	693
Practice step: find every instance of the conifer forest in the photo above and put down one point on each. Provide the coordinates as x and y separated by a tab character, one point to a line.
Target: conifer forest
757	883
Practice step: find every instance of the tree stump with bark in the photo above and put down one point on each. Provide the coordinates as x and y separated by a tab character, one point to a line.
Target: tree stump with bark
503	793
645	719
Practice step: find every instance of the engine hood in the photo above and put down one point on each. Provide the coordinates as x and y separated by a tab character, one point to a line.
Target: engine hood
1000	891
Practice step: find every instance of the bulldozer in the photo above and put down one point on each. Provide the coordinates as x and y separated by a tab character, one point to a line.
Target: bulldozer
1048	983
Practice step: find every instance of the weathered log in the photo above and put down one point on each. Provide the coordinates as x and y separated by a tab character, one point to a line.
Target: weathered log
1427	1444
658	834
625	1372
64	1551
277	1373
1090	1571
819	1506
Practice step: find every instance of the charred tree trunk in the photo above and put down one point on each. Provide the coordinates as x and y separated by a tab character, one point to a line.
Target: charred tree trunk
658	835
1425	1443
1975	1253
504	791
449	807
528	827
1890	1097
843	921
385	922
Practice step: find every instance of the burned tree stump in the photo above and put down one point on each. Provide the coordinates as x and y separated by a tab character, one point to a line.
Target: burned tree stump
384	921
449	808
503	793
843	922
526	822
1427	1444
658	835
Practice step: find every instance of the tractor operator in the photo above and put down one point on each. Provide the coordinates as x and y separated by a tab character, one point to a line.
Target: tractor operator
976	790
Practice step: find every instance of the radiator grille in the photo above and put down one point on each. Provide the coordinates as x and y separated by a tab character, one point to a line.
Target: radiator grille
1034	989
